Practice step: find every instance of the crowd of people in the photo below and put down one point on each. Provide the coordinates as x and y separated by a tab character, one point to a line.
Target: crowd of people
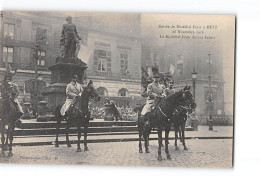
126	113
218	120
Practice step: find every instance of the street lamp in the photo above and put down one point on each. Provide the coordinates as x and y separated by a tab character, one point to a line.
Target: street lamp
2	34
194	77
210	98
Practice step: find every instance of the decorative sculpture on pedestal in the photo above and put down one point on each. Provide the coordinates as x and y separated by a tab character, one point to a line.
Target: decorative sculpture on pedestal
69	36
67	64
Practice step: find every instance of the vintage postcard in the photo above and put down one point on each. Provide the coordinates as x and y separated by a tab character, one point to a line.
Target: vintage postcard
117	89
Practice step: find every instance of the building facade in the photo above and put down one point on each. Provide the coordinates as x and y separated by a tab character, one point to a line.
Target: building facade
181	59
112	43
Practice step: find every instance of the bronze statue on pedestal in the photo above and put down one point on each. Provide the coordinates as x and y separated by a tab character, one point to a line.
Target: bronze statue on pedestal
69	39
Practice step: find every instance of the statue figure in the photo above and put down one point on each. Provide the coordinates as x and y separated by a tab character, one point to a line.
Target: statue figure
69	39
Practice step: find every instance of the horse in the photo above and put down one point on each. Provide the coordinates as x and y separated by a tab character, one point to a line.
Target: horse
179	121
162	117
10	117
78	114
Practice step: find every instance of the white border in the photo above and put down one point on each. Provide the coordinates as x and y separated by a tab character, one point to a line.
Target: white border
247	153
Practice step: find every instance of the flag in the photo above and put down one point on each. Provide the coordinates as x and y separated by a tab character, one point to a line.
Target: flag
171	69
84	53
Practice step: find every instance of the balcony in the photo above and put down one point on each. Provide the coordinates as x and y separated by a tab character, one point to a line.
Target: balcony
113	76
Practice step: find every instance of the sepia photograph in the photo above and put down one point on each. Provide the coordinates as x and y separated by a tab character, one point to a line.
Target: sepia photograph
117	89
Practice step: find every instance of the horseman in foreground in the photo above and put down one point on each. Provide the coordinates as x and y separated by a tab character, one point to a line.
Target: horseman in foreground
155	92
73	92
11	109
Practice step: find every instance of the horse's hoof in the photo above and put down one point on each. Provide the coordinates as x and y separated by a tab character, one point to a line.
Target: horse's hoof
5	148
68	145
140	151
3	154
169	157
177	148
147	151
56	145
86	149
185	148
159	158
79	150
10	154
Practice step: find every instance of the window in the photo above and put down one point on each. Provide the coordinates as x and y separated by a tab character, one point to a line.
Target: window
102	91
8	54
102	61
41	58
102	65
41	36
122	92
9	30
180	65
124	62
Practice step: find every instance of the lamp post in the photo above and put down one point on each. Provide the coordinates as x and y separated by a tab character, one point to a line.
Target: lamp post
194	77
2	35
210	98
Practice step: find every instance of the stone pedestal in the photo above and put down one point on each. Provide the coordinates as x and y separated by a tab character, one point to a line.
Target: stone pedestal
26	111
194	124
61	74
42	112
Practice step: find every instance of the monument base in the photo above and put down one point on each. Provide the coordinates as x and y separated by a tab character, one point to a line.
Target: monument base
61	74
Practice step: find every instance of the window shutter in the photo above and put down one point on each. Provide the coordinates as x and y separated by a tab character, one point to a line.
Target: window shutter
95	60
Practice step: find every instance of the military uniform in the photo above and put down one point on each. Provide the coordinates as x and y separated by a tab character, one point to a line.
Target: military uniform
9	92
73	90
153	90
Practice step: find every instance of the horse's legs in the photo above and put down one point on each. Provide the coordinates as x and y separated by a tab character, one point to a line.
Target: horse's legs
79	136
57	131
85	137
176	130
140	131
6	139
159	142
3	137
179	129
140	142
11	134
183	135
67	133
146	139
167	131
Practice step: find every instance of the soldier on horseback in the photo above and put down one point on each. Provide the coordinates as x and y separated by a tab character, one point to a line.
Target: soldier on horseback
155	92
73	92
9	92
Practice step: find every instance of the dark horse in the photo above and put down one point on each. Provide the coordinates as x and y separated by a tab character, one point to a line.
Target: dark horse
179	121
78	114
10	117
162	118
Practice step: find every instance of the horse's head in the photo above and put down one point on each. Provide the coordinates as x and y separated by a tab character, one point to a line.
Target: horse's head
91	92
188	100
182	98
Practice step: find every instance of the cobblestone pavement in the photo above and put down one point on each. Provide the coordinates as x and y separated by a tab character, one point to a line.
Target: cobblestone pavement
210	153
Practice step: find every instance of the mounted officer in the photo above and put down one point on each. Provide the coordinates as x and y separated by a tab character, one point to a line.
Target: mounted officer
155	92
73	92
9	92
